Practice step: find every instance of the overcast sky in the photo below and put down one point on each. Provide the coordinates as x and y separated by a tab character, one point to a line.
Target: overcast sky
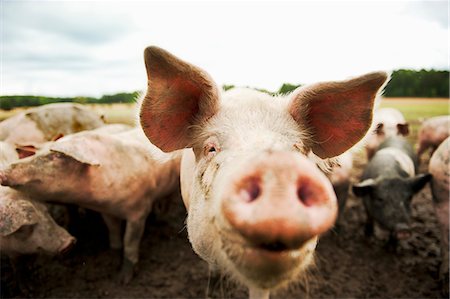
87	48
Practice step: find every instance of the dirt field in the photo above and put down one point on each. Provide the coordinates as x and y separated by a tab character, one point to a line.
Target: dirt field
347	264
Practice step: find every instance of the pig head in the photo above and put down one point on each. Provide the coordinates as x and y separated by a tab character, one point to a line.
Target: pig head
256	203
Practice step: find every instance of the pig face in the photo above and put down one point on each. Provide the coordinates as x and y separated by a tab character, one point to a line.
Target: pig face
31	173
256	202
388	201
26	227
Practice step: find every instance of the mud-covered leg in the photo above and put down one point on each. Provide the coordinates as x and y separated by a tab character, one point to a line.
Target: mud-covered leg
341	194
133	234
114	225
368	227
21	273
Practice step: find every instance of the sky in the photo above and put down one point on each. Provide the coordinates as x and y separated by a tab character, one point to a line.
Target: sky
91	48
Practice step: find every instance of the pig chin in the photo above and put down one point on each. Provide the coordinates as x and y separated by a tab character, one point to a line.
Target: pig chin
263	267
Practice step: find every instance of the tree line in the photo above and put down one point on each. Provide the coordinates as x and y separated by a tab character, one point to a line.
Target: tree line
403	83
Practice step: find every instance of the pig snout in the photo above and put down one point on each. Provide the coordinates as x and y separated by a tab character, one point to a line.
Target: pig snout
279	202
67	245
3	179
402	231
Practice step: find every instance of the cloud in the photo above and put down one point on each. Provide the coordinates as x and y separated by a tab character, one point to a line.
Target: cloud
69	21
88	48
435	11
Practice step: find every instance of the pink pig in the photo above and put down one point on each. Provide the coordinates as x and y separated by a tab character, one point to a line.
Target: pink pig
432	133
440	187
119	175
256	203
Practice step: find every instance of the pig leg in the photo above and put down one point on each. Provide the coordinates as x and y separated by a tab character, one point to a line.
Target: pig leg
341	194
133	234
368	227
114	225
20	265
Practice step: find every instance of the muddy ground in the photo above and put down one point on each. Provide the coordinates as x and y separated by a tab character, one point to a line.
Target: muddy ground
348	265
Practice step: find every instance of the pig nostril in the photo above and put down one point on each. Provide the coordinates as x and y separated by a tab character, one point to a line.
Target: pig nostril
251	189
305	195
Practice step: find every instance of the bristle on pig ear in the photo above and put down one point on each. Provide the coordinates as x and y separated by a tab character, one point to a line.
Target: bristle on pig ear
338	114
179	96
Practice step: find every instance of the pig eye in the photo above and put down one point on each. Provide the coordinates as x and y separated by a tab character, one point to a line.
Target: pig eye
210	149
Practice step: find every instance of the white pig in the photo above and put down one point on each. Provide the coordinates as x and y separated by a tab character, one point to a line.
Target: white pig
256	204
48	122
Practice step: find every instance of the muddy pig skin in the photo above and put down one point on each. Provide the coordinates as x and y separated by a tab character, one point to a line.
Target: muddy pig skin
387	186
118	175
48	122
340	179
432	133
256	202
440	170
387	122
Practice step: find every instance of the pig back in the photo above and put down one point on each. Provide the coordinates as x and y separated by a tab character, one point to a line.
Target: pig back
403	145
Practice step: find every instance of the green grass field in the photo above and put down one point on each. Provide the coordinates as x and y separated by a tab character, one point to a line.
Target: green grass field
416	110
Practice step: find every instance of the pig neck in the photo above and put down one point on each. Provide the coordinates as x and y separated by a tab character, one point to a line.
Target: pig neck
168	173
255	293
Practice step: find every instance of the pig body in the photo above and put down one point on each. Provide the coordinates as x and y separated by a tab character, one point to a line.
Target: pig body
340	179
387	122
387	186
256	199
432	133
117	175
48	122
440	188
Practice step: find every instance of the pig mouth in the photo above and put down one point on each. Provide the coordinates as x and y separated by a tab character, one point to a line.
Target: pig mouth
267	264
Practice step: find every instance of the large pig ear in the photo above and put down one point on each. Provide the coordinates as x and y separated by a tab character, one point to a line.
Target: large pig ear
363	188
419	181
179	96
17	216
79	151
337	114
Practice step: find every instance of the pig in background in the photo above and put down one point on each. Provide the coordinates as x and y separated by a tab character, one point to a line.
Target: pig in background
387	122
48	122
119	175
432	133
26	227
256	204
387	187
439	168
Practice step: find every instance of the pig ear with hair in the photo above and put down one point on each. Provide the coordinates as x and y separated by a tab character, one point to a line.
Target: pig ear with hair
79	151
337	114
363	188
419	181
17	216
179	96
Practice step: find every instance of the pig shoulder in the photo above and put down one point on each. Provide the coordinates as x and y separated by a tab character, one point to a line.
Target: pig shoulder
439	169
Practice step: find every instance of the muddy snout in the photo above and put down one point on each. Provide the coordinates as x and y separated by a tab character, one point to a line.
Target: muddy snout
67	246
402	231
279	201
